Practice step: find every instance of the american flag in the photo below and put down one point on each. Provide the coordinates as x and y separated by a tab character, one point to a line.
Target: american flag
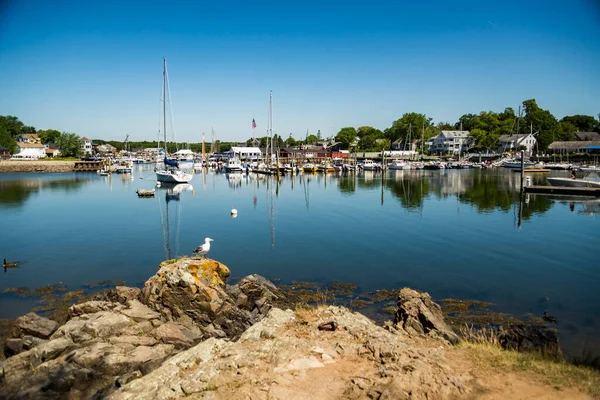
253	123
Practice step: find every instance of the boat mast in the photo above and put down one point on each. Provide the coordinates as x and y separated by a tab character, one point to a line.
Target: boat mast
165	104
271	122
423	138
517	137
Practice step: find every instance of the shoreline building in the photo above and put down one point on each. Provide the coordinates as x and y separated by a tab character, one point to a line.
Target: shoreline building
452	142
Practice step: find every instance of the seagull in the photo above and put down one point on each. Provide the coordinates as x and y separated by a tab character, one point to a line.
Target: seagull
549	318
204	248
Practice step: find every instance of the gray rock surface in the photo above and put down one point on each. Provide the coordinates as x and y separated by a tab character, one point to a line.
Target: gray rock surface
116	338
418	314
524	337
285	356
34	325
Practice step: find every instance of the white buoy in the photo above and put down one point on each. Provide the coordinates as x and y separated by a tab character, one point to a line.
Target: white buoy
158	184
233	212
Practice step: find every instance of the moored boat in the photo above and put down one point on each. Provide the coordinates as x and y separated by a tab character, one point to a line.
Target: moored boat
590	180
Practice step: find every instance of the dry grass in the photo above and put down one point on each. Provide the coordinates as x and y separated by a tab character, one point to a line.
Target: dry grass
483	348
482	335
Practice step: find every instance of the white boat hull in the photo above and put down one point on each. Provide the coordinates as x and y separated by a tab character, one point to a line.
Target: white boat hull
517	164
173	176
570	182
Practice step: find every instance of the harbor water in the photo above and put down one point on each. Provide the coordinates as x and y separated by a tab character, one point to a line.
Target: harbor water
464	234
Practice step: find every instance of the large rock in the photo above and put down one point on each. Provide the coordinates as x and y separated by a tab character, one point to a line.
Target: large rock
124	334
523	337
286	356
418	314
192	292
34	325
257	294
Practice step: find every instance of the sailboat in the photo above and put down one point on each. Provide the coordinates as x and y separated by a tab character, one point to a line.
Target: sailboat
171	173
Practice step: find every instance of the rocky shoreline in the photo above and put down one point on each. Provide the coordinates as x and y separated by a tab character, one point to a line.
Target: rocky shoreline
7	166
187	333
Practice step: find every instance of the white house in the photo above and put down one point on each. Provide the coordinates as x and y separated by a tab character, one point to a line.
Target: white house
86	146
513	142
452	142
30	151
246	153
107	148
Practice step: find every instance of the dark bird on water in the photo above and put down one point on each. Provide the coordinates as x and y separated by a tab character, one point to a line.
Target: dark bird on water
549	318
9	264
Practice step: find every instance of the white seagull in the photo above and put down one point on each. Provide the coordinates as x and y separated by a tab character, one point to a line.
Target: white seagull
204	248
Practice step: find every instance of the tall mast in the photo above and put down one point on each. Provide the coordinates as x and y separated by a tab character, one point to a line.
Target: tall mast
165	103
423	138
271	120
517	137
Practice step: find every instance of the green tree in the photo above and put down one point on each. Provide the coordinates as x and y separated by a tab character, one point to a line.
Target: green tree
565	131
290	142
583	123
346	136
69	144
369	138
311	139
28	129
542	121
7	140
414	122
12	125
50	135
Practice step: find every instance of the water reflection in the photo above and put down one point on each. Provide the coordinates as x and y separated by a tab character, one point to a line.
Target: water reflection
14	193
170	220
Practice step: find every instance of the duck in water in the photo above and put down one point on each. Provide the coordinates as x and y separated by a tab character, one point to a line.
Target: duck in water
9	264
549	318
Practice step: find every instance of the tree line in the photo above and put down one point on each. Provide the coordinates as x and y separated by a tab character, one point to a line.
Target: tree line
486	127
11	127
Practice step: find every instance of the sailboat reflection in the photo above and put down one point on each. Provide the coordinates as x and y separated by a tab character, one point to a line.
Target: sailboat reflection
172	194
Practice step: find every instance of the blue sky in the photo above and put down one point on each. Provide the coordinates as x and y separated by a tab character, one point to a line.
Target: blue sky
94	67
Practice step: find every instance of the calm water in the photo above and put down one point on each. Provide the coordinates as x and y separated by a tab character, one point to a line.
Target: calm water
452	233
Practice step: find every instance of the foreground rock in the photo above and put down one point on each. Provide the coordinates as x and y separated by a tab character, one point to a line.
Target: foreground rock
536	338
418	314
126	334
286	356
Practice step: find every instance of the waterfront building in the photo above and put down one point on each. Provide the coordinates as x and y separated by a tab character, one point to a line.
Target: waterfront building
4	153
452	142
86	146
246	153
513	142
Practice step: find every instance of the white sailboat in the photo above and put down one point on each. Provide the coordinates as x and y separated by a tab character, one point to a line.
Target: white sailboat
171	172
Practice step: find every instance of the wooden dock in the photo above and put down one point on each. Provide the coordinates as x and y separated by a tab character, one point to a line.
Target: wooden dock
566	190
88	166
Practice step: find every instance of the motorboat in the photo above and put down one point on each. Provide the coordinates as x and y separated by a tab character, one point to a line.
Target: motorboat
399	165
326	167
517	164
590	180
369	165
309	167
233	164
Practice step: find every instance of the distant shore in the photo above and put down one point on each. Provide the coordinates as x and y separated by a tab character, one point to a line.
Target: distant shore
36	166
